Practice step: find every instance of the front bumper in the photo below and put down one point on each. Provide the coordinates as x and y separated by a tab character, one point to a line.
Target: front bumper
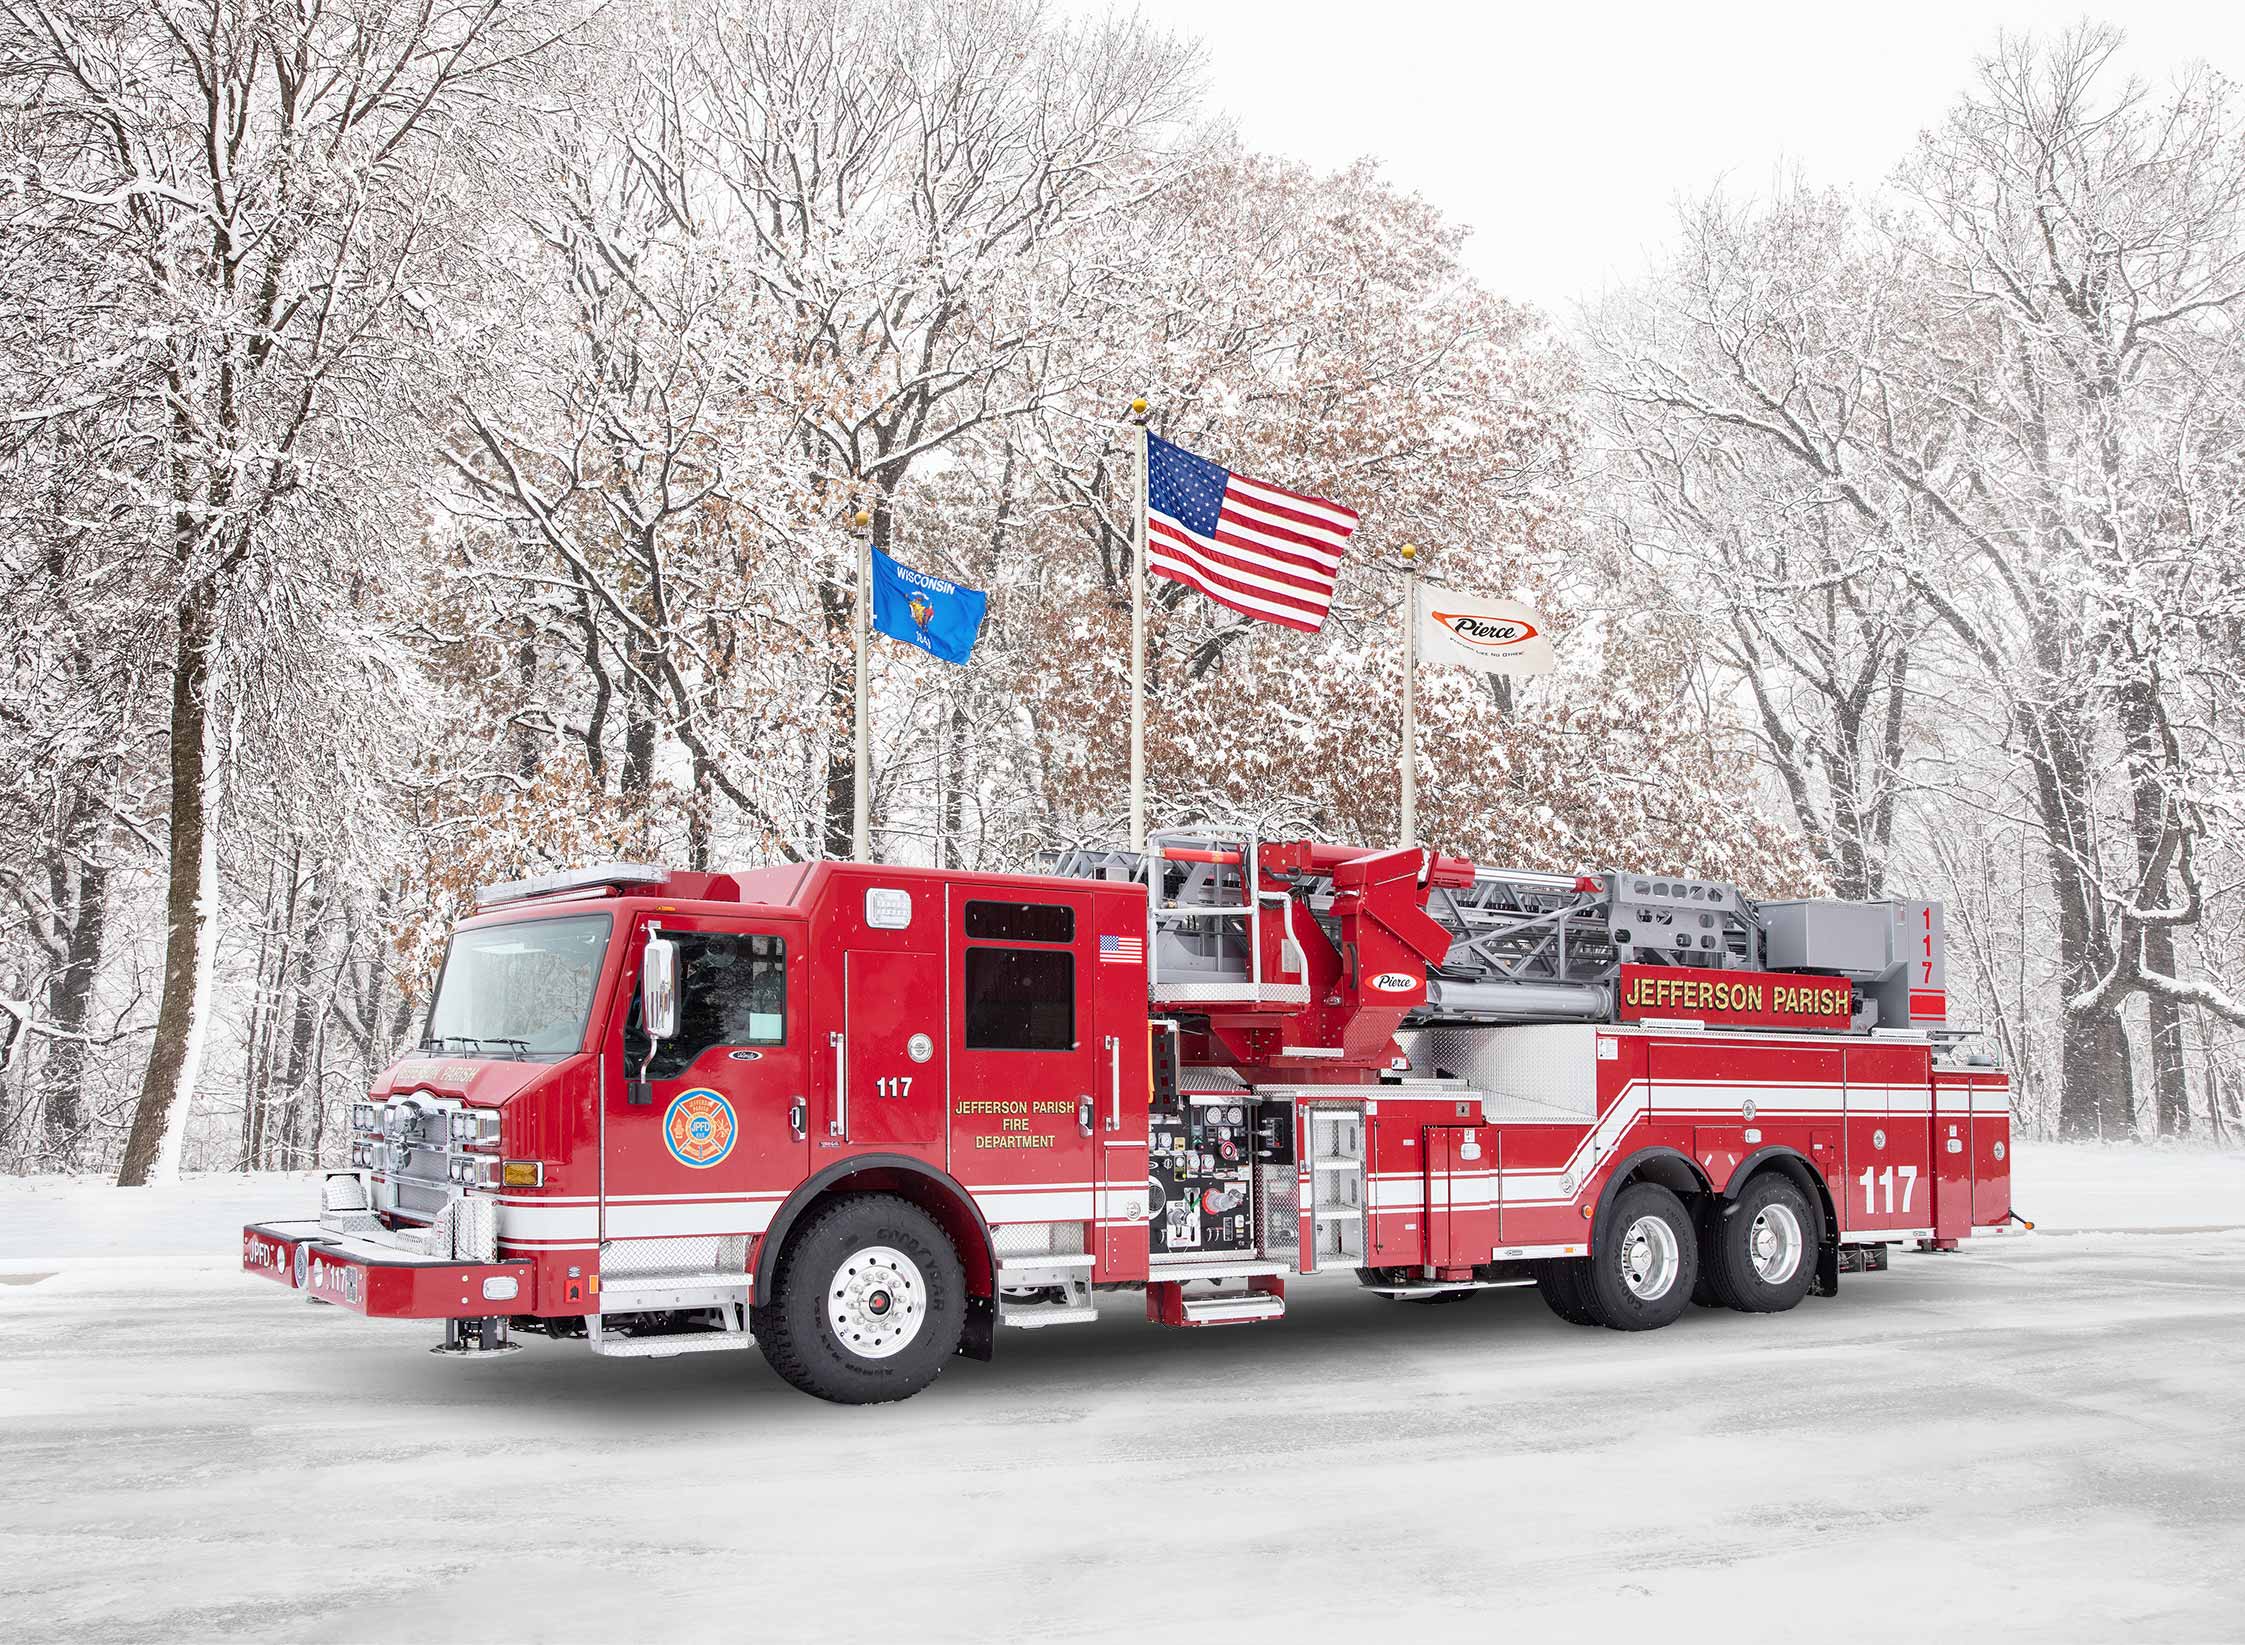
382	1282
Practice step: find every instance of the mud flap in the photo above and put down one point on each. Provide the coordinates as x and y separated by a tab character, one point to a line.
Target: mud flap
1828	1270
978	1333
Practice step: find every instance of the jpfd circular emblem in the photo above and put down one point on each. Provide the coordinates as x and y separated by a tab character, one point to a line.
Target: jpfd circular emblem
699	1128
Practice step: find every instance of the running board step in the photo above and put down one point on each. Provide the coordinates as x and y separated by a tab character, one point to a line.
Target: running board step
1433	1287
732	1322
682	1342
1237	1308
1068	1275
1168	1304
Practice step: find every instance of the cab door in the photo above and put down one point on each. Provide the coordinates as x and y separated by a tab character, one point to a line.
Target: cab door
1026	1052
1123	1090
724	1133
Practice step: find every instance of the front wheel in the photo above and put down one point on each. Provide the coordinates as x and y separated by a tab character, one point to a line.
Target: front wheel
1642	1273
867	1305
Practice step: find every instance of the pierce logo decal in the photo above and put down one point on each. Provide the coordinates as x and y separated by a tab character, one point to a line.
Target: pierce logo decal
698	1128
1486	633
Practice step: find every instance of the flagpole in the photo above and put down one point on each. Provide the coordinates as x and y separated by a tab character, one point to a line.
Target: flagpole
1138	641
1410	694
861	820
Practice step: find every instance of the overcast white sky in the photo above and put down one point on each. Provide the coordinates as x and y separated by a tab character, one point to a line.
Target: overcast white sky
1563	133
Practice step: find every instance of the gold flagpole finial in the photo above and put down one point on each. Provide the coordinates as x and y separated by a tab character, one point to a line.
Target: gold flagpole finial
1138	407
861	519
1409	551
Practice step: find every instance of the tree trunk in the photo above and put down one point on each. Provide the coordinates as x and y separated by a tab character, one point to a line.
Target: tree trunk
2170	1079
152	1147
69	1003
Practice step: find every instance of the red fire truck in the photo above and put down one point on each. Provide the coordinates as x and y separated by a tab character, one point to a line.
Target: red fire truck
864	1116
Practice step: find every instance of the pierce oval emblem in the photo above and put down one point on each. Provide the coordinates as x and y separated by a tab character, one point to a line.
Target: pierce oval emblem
1486	633
698	1128
1395	982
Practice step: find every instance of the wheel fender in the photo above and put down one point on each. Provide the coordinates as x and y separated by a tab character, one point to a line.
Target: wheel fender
1672	1162
1795	1165
882	1172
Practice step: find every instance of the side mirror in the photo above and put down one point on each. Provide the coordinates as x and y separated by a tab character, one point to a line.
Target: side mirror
658	988
658	1011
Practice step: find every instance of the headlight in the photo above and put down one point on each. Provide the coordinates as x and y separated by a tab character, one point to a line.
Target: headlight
475	1173
476	1128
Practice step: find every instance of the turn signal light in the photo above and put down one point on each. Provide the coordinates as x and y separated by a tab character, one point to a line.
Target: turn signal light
523	1173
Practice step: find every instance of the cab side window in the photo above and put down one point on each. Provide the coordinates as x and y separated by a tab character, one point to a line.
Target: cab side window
733	993
1020	998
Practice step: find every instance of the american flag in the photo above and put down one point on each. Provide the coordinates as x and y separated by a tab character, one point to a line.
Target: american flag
1122	950
1262	550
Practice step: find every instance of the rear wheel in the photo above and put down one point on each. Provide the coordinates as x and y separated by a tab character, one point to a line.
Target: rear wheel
867	1305
1562	1283
1762	1253
1642	1272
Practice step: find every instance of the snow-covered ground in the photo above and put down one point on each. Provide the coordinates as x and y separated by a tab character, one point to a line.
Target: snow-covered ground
2038	1438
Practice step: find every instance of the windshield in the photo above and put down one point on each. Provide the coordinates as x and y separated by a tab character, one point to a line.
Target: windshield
520	990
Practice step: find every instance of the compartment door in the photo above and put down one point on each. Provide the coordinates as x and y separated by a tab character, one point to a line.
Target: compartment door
892	1094
1462	1194
1952	1160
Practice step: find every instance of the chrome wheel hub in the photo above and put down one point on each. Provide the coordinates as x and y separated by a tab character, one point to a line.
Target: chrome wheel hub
876	1302
1650	1258
1774	1244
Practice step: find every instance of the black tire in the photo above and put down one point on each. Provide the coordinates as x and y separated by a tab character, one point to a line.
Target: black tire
1707	1220
1668	1260
797	1329
1559	1281
1771	1213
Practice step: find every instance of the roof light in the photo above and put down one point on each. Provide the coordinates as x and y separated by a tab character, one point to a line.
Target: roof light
598	875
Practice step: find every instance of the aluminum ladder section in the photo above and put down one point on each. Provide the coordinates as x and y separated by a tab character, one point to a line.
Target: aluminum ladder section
1527	946
1205	908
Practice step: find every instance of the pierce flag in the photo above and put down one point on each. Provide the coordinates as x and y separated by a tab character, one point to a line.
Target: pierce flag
940	617
1473	631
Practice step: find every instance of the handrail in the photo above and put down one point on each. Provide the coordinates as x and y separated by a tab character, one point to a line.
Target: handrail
839	1125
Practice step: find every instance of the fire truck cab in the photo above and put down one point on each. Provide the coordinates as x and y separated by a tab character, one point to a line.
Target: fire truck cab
863	1116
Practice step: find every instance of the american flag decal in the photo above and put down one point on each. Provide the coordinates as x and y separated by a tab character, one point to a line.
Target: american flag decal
1122	950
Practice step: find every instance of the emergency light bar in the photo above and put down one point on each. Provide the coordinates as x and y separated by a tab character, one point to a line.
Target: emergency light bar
598	875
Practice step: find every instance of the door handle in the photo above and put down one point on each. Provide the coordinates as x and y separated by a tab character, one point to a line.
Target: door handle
1083	1115
798	1118
839	1125
1114	1083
